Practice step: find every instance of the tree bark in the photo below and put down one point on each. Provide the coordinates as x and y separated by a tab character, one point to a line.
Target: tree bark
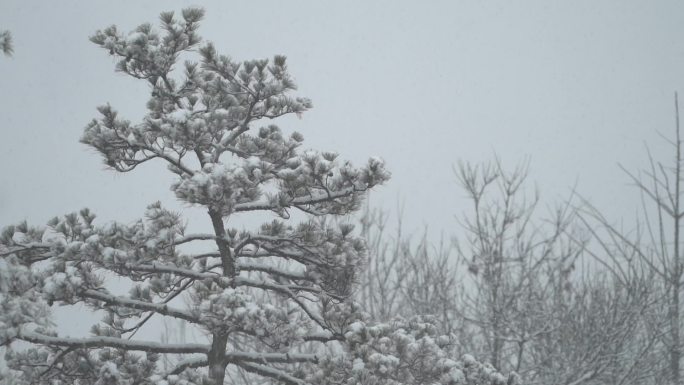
217	361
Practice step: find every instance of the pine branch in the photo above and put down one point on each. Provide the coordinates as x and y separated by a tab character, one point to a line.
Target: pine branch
267	371
162	309
297	202
111	342
287	358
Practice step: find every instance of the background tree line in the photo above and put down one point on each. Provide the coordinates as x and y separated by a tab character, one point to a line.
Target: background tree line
559	293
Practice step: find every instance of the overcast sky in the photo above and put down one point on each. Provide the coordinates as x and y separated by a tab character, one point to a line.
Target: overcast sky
576	86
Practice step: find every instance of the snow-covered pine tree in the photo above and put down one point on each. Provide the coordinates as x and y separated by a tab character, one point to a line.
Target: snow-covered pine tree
266	300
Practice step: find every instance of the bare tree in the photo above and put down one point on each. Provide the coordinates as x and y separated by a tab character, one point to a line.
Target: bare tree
406	276
380	286
519	289
512	258
603	333
655	242
538	303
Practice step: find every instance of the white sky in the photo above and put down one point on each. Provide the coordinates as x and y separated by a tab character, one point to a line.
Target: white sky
577	86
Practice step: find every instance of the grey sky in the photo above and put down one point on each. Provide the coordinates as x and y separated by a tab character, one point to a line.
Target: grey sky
577	85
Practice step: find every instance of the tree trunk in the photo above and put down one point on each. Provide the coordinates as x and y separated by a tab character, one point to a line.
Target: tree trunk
217	362
227	259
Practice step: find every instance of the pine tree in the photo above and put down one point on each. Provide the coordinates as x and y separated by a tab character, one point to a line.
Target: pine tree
267	300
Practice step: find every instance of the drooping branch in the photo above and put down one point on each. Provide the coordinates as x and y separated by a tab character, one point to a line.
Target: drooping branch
194	237
162	309
111	342
298	202
196	362
163	268
279	288
295	275
234	357
271	372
